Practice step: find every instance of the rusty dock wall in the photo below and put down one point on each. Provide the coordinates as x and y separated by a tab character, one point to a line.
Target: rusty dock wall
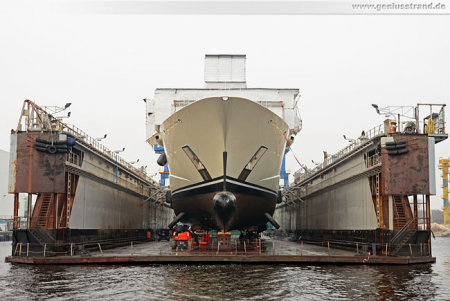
375	193
77	190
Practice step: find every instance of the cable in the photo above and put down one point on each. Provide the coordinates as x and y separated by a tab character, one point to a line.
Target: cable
292	151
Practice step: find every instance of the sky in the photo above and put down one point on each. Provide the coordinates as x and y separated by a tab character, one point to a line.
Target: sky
105	64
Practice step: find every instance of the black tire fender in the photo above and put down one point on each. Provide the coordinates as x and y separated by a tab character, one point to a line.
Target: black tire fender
397	146
43	141
40	144
397	152
47	142
52	149
40	148
162	160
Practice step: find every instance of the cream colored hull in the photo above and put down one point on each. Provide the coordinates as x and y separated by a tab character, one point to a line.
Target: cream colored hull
212	126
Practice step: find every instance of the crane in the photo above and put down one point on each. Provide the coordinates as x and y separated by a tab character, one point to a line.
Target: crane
444	165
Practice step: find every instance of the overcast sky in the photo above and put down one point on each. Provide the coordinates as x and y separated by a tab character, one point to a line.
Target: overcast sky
106	64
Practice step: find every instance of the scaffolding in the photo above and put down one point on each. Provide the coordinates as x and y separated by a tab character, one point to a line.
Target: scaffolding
444	165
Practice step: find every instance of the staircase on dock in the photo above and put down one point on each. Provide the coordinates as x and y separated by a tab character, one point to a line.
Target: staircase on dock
45	209
402	211
40	222
403	221
402	237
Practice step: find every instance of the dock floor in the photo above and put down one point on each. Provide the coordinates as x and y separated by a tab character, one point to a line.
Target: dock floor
272	252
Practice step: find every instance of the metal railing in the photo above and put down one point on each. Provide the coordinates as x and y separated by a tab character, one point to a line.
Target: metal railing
373	160
236	246
402	233
74	159
434	123
304	248
38	119
344	152
41	233
90	142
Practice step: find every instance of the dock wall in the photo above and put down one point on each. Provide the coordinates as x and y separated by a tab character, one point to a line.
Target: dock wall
375	193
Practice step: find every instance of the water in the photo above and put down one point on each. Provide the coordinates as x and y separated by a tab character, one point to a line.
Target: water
229	282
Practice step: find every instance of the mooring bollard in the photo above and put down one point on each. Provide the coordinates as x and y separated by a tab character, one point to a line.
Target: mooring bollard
100	247
386	249
71	250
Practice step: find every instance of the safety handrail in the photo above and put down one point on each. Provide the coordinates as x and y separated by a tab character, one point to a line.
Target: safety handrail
42	120
41	231
368	135
400	235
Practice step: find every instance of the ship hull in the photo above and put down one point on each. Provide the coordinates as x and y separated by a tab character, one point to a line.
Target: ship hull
251	204
213	139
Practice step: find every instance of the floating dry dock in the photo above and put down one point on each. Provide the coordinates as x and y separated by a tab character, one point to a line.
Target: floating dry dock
376	191
371	197
285	252
77	190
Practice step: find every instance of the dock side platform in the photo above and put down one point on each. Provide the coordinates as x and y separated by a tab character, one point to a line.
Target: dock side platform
272	252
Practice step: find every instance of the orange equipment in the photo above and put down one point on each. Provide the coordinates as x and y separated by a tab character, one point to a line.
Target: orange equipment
181	239
201	238
181	235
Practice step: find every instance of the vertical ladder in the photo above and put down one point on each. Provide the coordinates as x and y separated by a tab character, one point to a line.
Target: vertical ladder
377	190
69	193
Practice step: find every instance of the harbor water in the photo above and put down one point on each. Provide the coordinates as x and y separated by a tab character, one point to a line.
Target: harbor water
228	282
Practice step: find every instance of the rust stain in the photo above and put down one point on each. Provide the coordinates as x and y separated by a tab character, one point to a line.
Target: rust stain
38	172
30	166
407	174
12	186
